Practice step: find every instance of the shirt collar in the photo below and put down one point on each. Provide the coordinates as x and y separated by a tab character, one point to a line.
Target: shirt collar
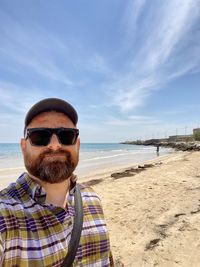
36	191
33	189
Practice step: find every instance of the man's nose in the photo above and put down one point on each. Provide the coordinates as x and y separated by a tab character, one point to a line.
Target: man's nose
54	143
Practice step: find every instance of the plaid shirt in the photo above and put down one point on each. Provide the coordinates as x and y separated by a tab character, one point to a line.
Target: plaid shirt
36	234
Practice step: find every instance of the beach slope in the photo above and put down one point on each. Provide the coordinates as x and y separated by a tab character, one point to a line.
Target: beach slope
154	216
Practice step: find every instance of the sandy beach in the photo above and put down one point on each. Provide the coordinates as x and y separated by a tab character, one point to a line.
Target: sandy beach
153	216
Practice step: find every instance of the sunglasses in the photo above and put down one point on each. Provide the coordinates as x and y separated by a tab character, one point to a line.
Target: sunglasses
42	136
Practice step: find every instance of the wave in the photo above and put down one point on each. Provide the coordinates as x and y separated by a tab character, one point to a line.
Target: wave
104	157
11	169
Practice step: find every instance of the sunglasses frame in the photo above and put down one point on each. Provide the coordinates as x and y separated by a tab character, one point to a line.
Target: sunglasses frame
51	131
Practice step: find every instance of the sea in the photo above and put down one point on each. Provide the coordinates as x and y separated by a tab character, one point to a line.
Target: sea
94	157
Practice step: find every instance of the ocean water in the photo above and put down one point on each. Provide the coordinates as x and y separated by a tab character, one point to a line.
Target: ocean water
94	157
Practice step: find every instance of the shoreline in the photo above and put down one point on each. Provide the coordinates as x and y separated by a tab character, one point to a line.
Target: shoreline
10	175
107	172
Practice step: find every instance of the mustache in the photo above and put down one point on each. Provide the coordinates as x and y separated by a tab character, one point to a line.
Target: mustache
50	152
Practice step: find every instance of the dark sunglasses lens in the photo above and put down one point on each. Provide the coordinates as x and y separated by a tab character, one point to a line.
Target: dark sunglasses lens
67	137
40	137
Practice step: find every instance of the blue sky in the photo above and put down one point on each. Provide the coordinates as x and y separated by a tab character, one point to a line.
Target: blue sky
130	68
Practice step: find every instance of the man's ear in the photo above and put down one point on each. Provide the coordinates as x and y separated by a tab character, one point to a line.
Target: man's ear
78	143
23	145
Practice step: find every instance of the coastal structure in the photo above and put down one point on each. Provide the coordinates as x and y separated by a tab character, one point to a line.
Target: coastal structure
178	142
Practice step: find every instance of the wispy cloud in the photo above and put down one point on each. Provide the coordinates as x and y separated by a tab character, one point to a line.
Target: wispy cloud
109	70
34	49
129	22
132	120
172	22
169	49
97	63
11	100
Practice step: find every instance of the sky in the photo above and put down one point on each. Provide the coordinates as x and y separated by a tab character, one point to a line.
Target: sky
130	68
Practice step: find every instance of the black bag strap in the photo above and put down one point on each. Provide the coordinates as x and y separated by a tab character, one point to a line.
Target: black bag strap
76	231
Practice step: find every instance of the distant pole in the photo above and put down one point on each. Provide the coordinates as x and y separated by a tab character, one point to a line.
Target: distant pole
185	130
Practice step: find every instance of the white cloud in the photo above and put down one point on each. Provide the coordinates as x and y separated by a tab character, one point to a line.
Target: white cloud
129	21
169	49
172	22
132	120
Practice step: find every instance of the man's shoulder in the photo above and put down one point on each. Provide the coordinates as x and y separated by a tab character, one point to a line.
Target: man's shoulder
88	191
8	196
5	193
14	190
92	203
7	206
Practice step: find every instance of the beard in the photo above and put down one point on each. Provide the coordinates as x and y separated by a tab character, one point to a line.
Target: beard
45	168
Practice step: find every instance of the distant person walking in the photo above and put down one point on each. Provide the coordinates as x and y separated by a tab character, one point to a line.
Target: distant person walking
157	149
45	209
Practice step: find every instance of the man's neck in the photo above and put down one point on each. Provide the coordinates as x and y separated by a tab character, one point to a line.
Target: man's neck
56	193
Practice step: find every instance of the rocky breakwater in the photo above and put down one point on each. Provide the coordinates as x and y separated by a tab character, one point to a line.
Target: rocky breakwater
183	146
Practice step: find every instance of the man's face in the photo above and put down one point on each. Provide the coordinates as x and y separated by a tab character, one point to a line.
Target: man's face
55	162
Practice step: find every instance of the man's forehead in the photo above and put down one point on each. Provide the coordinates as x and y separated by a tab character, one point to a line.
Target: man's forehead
52	117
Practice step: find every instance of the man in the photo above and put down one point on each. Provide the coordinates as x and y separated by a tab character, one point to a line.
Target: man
37	212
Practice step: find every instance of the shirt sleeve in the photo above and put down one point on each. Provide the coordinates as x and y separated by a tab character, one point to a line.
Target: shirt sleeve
95	205
1	250
111	259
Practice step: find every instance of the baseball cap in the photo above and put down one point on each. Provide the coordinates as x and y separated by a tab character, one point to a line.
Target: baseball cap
51	104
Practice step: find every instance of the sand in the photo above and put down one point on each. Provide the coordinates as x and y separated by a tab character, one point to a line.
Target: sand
154	216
